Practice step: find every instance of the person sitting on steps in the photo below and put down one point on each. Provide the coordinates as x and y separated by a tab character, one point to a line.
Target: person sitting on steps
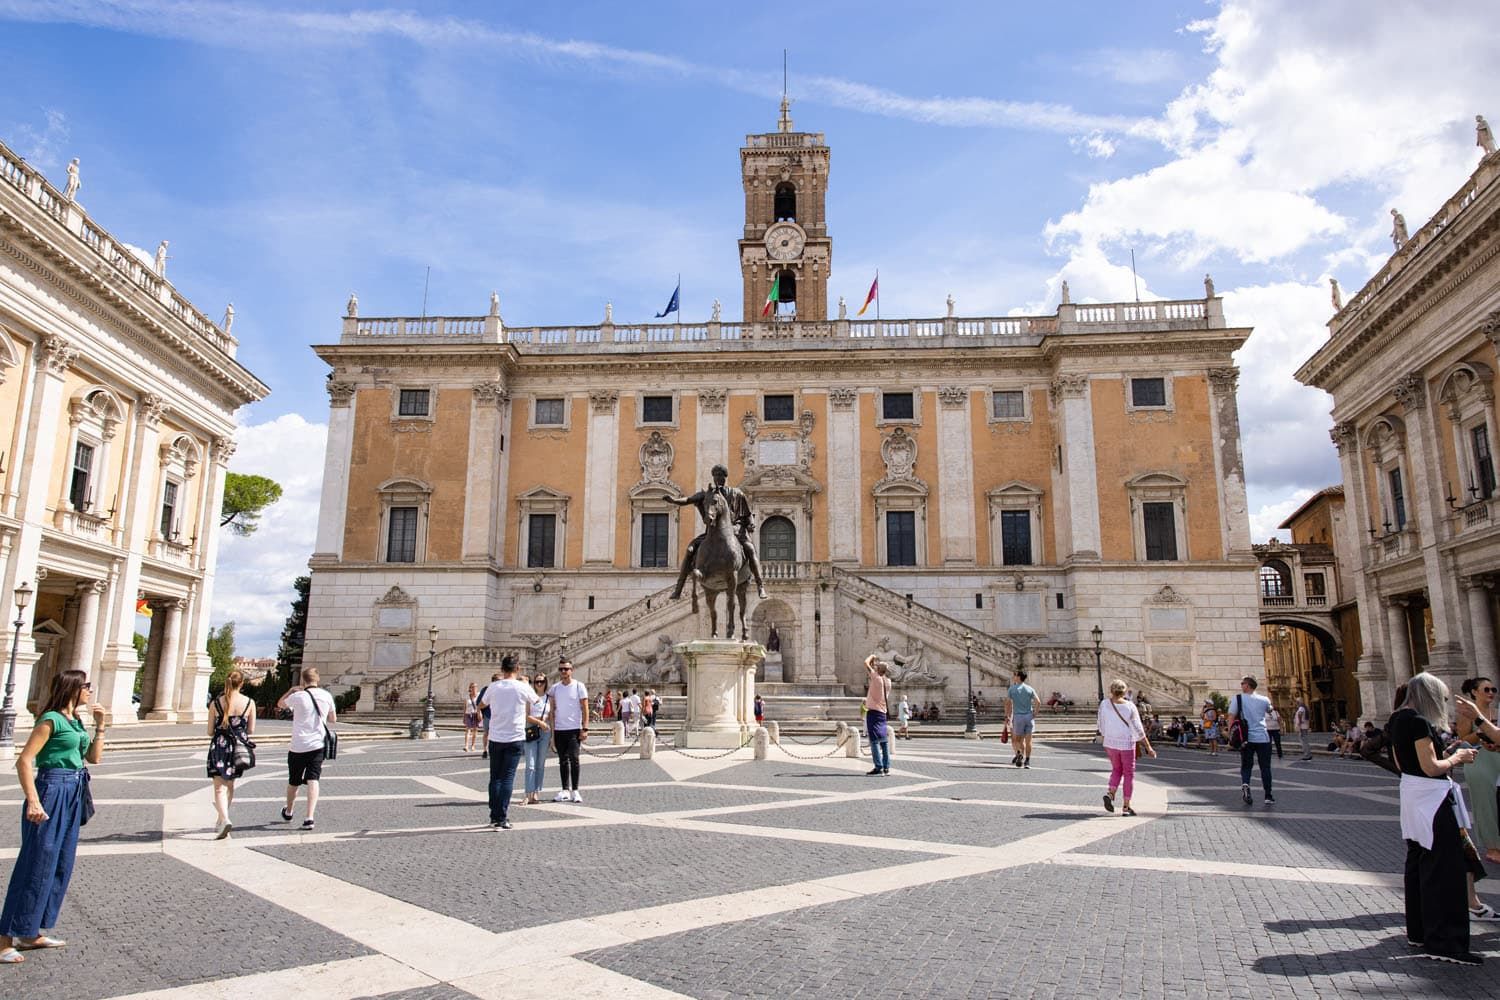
739	509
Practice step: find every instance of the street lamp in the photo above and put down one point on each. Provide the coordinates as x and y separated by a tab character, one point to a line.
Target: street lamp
1098	635
429	718
8	709
971	727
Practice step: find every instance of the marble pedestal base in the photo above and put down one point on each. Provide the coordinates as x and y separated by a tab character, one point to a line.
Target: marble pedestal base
720	677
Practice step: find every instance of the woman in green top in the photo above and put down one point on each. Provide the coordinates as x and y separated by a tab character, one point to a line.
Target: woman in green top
55	784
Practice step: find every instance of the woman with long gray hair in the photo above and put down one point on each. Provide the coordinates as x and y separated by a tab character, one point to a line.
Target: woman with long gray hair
1432	820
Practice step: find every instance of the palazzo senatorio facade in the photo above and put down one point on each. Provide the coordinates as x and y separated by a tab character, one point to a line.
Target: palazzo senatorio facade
117	400
1410	362
1014	479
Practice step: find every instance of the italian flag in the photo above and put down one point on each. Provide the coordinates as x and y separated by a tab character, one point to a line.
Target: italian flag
772	297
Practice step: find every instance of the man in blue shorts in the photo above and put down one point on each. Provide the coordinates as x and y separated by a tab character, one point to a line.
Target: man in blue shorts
1021	717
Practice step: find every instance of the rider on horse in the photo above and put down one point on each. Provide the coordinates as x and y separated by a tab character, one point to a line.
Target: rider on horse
739	510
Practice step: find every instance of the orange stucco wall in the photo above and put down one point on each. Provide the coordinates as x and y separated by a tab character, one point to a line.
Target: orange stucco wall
1004	452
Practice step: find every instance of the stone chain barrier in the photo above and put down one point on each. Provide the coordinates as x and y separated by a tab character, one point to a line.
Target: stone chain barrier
616	752
843	737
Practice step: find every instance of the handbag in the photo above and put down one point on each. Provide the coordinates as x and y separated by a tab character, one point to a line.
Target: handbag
88	800
1140	745
330	743
1240	730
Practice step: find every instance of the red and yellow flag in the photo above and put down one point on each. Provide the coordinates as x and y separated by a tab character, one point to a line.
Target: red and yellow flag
143	607
874	294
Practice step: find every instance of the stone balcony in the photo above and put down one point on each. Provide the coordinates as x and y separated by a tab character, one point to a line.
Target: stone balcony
1180	315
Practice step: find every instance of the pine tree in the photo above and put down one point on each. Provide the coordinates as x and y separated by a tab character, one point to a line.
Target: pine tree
289	653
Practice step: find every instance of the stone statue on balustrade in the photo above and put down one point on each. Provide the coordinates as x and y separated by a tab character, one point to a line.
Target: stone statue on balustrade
843	309
950	305
494	303
1483	137
229	317
1208	286
722	559
1398	229
718	311
71	191
351	310
161	258
1337	292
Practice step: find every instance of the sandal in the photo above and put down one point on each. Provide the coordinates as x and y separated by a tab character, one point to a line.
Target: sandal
1109	803
11	956
1127	811
40	943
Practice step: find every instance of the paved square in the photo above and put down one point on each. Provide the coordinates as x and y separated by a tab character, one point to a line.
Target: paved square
705	876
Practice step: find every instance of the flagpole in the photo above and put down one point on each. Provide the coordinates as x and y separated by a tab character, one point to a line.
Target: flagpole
877	302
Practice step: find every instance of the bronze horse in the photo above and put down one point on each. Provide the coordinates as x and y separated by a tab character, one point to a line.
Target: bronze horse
720	568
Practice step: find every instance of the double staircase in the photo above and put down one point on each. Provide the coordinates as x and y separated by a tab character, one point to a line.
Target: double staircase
993	657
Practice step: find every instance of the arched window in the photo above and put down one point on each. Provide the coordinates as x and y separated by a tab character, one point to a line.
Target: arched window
786	202
778	540
786	293
1275	579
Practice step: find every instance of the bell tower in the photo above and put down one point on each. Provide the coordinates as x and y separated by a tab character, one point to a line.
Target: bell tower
785	244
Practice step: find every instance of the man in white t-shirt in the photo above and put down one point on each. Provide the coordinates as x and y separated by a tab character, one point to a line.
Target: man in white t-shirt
513	705
312	710
570	727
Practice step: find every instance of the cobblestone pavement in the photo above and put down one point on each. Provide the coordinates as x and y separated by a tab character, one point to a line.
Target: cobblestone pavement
715	877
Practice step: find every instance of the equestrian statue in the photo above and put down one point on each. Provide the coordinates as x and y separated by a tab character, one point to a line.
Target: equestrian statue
723	558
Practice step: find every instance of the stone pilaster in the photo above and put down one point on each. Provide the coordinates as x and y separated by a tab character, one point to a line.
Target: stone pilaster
955	475
713	433
1398	638
169	663
1481	626
1079	477
599	497
845	498
85	626
486	480
335	496
1229	462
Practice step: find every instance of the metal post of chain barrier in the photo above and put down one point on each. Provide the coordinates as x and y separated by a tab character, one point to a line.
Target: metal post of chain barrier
648	743
773	730
762	742
617	734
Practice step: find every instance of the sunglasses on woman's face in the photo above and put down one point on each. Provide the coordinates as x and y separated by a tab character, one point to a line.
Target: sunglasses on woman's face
1488	690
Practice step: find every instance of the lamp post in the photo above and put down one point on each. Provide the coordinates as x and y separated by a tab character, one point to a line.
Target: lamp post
971	720
1098	635
8	709
429	717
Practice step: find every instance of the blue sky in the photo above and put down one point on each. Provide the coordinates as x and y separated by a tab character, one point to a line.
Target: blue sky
564	157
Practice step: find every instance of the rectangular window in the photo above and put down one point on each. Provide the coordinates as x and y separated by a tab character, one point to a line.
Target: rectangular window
83	471
1161	531
656	409
654	540
897	406
549	412
901	538
414	403
1148	392
1313	584
1015	537
401	537
1010	404
168	509
1398	498
541	540
779	408
1484	462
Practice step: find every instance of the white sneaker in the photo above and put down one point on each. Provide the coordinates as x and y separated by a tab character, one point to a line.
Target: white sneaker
562	796
576	796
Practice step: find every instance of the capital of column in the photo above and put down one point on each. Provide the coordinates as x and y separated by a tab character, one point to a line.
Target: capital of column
223	450
152	408
340	393
1411	390
1476	583
57	354
953	397
1343	435
713	400
604	400
168	605
1395	602
842	397
1224	380
1069	387
491	394
1490	327
85	587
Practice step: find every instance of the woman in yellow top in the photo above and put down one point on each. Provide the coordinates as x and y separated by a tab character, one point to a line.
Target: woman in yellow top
55	784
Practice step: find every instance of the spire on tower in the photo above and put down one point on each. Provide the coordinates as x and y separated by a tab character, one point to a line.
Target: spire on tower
785	124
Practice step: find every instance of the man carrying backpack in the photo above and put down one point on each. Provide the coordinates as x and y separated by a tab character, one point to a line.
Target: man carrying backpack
1247	733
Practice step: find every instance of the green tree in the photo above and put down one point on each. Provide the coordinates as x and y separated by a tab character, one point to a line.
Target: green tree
289	653
139	641
245	499
221	654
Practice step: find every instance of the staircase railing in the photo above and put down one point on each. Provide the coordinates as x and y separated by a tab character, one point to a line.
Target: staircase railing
443	665
1164	688
628	618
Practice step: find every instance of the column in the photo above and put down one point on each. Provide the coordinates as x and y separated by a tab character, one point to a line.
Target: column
1229	463
168	665
955	475
54	356
1372	670
1399	640
599	485
485	486
192	694
713	434
1070	394
1481	626
85	627
119	664
844	494
334	500
151	667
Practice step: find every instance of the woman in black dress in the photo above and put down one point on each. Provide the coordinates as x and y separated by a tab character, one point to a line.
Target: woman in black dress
1432	819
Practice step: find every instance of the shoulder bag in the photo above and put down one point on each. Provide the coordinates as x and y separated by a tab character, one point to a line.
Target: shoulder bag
330	738
1240	731
244	746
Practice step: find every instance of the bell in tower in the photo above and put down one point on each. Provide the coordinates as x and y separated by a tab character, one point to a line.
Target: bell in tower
785	252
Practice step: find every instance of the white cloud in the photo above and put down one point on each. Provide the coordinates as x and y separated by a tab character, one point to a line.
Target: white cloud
1265	520
42	145
1133	67
253	582
1095	144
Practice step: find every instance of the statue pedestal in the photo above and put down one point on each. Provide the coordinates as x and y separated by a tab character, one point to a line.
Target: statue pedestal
720	692
773	673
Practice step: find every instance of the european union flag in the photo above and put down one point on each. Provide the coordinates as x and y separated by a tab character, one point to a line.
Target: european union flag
672	305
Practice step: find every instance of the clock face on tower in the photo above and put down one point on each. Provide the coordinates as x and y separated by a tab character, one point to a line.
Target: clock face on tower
784	241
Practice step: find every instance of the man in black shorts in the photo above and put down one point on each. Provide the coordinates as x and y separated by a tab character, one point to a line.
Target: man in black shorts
312	711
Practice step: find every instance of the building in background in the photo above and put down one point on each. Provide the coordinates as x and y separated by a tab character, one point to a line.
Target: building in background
1410	362
1019	480
116	423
